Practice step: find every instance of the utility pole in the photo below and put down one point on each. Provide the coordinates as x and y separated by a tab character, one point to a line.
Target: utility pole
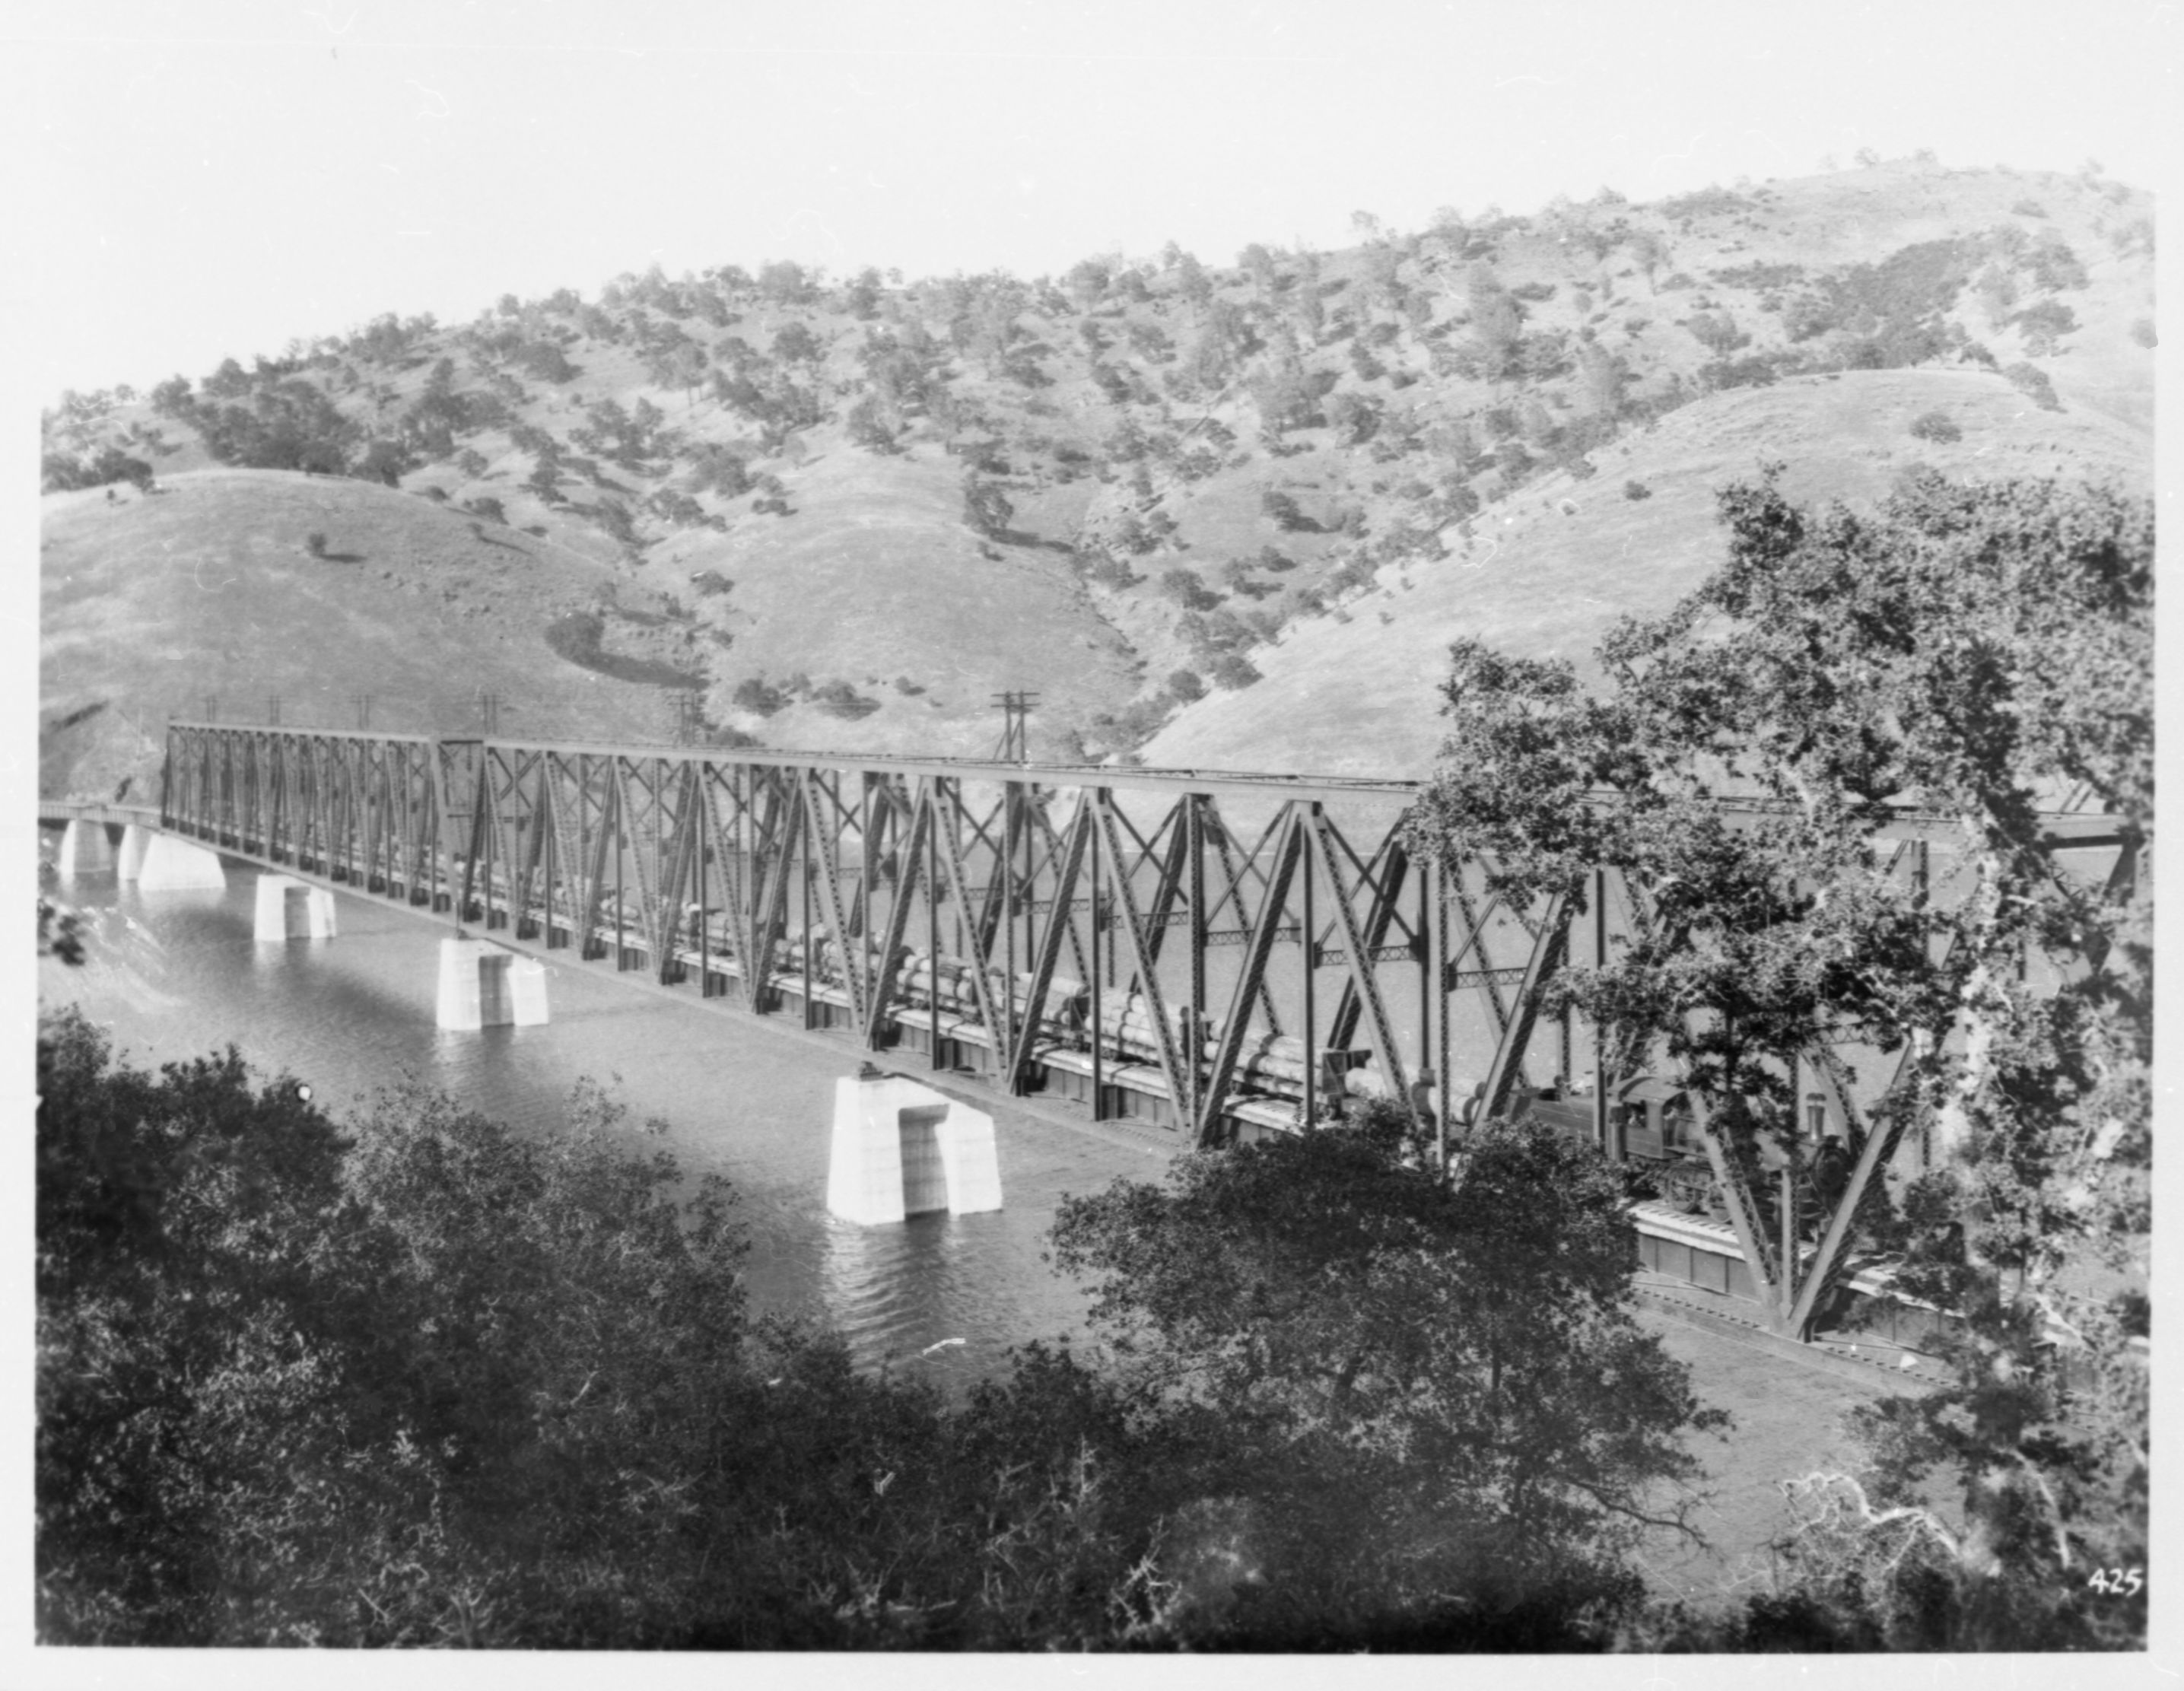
1015	742
489	713
273	709
211	706
362	701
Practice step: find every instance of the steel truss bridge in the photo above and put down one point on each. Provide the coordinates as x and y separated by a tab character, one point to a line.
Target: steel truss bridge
1224	955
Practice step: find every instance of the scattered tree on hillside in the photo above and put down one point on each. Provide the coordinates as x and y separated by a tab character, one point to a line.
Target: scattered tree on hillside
1232	671
2043	325
986	508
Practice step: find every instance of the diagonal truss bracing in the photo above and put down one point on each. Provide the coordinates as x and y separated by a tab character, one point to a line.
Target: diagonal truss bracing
1171	934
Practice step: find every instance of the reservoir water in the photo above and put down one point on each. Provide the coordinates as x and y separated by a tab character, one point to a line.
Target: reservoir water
175	974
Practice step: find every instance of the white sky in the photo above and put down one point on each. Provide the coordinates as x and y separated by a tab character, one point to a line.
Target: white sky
209	180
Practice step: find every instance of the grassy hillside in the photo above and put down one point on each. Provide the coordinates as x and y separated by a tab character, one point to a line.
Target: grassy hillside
1546	573
208	589
850	510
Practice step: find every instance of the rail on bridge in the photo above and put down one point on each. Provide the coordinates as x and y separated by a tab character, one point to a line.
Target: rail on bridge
1223	954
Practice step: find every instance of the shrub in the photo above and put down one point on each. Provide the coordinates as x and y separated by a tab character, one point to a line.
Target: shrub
2054	265
545	361
1756	371
839	699
1717	331
2034	383
314	542
579	637
1636	490
2141	332
1936	426
1183	586
2029	208
757	696
1232	671
1186	685
2044	324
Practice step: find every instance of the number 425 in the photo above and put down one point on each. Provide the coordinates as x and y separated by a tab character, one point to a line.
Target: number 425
2117	1582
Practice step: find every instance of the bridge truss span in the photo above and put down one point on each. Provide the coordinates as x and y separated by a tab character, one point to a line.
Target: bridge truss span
1221	955
1135	938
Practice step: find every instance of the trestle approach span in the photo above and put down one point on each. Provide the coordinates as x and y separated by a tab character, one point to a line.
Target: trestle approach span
1225	954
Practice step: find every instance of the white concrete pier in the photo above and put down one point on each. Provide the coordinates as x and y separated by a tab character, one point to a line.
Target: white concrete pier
289	909
902	1149
481	986
135	841
170	865
85	849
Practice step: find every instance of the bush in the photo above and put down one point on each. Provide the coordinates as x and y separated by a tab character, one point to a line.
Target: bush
1722	373
839	699
579	638
2033	383
545	361
1186	686
1936	426
1183	586
2044	324
314	542
2141	332
757	696
1636	490
1233	670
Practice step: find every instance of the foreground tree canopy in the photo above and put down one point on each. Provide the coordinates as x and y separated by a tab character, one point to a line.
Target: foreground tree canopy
413	1380
1451	1374
1984	652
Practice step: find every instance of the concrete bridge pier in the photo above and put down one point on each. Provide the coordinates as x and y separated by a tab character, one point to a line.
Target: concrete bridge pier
481	986
85	849
901	1149
135	842
289	909
170	865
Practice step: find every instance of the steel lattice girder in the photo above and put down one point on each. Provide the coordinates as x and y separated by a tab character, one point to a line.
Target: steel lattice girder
939	898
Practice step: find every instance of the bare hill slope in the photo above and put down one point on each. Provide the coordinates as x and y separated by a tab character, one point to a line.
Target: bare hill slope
876	591
152	604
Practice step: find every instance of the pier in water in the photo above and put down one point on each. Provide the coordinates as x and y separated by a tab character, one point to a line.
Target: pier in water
171	976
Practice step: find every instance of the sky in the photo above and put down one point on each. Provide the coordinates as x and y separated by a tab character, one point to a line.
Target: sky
202	181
